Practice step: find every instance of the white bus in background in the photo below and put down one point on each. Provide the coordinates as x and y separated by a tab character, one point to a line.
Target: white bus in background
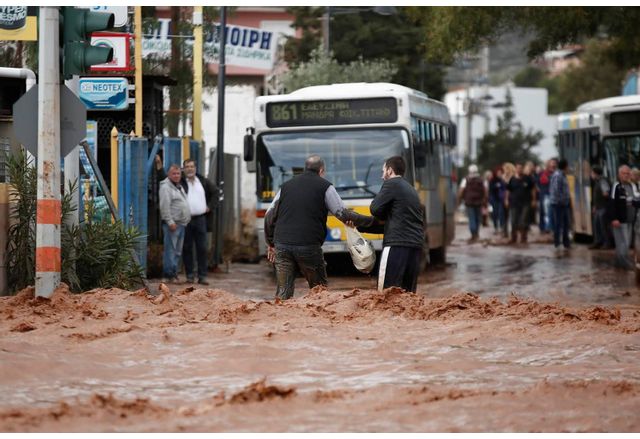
354	128
606	133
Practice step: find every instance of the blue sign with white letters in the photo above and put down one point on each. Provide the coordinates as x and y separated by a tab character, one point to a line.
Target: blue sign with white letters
104	93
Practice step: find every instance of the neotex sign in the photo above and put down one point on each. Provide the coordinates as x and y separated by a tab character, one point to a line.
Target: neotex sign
104	93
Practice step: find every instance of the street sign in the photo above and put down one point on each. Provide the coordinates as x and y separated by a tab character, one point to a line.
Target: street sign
119	42
120	13
73	120
104	93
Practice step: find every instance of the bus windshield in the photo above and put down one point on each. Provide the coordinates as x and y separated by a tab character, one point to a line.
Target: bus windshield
622	151
353	158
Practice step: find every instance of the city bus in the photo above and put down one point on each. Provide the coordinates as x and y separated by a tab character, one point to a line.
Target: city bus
606	133
354	128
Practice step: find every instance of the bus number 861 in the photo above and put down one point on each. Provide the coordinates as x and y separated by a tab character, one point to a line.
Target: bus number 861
284	112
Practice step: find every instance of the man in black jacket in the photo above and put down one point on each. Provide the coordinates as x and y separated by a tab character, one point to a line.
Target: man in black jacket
295	226
620	213
202	197
398	205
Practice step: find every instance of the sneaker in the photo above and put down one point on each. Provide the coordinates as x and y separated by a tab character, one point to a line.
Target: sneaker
175	280
203	282
595	246
190	280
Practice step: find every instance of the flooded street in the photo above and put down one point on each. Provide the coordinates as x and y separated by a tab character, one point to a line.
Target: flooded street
489	268
501	339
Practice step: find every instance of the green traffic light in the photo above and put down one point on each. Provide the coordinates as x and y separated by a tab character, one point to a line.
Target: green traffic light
78	54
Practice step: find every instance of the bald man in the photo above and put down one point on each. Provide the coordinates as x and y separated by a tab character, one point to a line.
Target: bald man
620	213
295	226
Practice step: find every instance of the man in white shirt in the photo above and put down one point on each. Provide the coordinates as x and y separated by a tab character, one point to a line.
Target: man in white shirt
201	197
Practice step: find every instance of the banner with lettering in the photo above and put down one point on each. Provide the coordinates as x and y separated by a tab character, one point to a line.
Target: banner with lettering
245	46
19	23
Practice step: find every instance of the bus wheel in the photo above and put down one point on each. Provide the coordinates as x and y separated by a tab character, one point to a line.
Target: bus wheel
439	255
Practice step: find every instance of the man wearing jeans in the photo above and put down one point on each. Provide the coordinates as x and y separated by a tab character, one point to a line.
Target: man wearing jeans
620	213
295	226
201	196
175	214
474	194
560	205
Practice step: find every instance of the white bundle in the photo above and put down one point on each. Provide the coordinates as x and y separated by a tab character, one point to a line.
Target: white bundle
361	250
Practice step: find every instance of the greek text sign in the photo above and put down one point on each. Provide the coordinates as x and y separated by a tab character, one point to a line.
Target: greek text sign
334	112
245	46
18	23
104	93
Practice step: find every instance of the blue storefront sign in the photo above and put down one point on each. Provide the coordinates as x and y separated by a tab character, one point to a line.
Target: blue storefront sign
104	93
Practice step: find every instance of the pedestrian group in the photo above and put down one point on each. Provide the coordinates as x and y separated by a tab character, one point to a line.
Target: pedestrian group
517	196
187	200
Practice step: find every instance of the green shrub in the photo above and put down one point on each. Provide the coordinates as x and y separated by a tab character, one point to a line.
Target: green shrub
96	253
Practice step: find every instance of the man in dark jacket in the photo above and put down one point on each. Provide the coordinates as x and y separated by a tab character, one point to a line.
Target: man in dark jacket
601	190
295	226
620	214
398	205
202	196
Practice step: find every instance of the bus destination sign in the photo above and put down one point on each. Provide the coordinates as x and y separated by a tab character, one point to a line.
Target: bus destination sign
333	112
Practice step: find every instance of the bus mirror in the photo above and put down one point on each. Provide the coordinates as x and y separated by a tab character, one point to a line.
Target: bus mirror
248	148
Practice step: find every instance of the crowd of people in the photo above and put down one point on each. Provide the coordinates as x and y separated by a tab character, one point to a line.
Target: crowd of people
521	195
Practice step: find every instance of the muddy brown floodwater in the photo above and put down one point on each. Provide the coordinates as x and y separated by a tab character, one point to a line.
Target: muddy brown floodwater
464	354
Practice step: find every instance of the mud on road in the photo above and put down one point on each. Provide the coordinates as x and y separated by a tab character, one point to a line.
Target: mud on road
344	359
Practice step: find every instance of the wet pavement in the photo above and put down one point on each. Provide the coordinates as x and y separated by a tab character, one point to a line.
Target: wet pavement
489	268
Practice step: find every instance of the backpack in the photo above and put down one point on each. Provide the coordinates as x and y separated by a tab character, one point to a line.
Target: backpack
474	192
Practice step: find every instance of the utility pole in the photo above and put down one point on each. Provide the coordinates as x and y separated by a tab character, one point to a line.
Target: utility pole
137	24
197	74
469	101
49	206
485	88
220	147
326	30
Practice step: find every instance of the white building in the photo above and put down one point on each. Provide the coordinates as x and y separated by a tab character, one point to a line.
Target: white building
529	105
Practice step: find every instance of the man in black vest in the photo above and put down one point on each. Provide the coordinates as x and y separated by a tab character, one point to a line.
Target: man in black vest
295	226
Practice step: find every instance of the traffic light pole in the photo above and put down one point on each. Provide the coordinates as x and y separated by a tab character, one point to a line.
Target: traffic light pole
220	147
49	209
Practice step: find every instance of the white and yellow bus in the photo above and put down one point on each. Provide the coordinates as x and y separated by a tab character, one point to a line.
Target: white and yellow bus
354	128
606	133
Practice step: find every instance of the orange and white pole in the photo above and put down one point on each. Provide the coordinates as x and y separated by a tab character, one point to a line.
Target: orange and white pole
49	206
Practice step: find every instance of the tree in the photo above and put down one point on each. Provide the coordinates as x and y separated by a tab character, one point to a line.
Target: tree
453	30
324	69
510	143
596	77
367	35
179	66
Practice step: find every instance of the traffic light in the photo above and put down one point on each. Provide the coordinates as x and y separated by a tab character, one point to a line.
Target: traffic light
78	55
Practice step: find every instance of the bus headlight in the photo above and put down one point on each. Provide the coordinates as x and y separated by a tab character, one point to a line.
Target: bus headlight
335	234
